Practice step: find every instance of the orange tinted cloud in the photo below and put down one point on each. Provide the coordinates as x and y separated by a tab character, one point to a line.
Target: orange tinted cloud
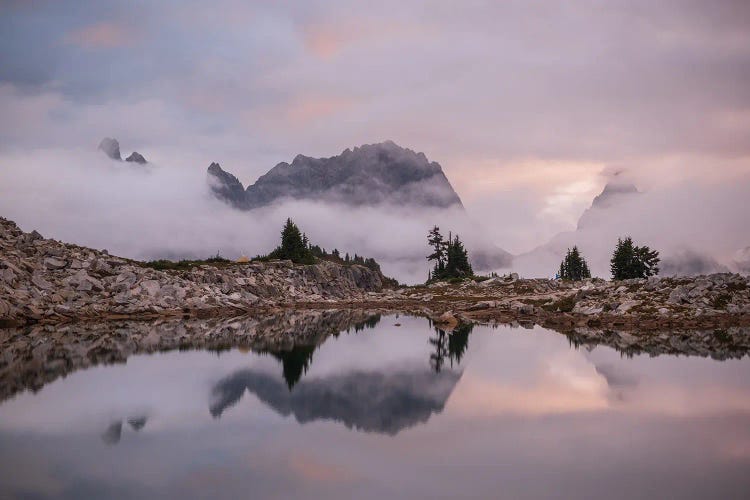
103	35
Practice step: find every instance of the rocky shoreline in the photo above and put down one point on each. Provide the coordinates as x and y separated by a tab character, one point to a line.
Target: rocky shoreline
46	281
717	300
36	355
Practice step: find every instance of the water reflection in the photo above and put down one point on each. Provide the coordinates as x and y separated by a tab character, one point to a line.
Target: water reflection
38	355
382	411
371	401
368	401
449	345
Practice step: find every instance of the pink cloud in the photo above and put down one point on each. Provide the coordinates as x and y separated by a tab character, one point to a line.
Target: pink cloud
103	35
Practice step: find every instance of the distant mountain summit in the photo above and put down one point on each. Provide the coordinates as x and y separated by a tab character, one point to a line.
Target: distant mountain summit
614	192
111	148
136	157
372	174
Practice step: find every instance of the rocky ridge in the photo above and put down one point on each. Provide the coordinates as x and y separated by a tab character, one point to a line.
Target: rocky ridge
111	148
646	304
43	280
370	174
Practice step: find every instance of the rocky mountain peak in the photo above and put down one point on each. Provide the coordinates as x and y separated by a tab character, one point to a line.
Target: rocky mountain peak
225	186
611	191
371	174
111	148
614	192
136	157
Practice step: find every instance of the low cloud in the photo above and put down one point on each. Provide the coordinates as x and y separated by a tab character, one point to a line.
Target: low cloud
163	211
698	227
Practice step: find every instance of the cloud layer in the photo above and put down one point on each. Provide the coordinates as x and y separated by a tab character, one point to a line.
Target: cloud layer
522	103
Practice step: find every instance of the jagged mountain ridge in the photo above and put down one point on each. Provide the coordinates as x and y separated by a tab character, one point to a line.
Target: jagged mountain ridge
111	148
371	174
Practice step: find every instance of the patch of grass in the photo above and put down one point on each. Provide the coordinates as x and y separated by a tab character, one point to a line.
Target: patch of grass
565	304
185	264
523	289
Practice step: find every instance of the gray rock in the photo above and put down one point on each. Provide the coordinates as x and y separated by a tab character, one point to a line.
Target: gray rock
678	296
627	305
111	148
136	157
40	282
7	276
53	263
151	287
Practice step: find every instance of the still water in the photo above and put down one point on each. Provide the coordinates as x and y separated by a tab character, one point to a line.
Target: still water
386	411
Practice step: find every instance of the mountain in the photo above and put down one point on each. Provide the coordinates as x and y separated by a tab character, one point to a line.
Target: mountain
136	157
622	210
371	174
544	260
379	402
612	194
225	186
111	148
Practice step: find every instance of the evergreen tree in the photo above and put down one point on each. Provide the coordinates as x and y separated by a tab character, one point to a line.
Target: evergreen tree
435	240
574	267
457	260
630	261
451	258
293	246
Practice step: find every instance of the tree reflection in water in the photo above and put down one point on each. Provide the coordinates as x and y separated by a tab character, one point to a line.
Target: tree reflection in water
449	346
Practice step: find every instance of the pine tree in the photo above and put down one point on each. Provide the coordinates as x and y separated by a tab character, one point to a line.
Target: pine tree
574	267
435	240
451	258
630	261
457	260
294	245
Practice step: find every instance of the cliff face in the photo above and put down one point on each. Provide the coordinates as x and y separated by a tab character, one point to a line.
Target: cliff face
43	279
372	174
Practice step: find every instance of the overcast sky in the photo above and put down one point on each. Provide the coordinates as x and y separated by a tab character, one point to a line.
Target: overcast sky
524	104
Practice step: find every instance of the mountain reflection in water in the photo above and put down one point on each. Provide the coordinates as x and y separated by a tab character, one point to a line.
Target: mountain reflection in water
300	407
368	401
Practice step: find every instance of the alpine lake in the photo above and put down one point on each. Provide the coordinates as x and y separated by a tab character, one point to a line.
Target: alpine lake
374	405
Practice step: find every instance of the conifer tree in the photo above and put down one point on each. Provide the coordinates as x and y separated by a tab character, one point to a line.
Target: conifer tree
574	267
293	246
630	261
451	258
435	240
457	260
